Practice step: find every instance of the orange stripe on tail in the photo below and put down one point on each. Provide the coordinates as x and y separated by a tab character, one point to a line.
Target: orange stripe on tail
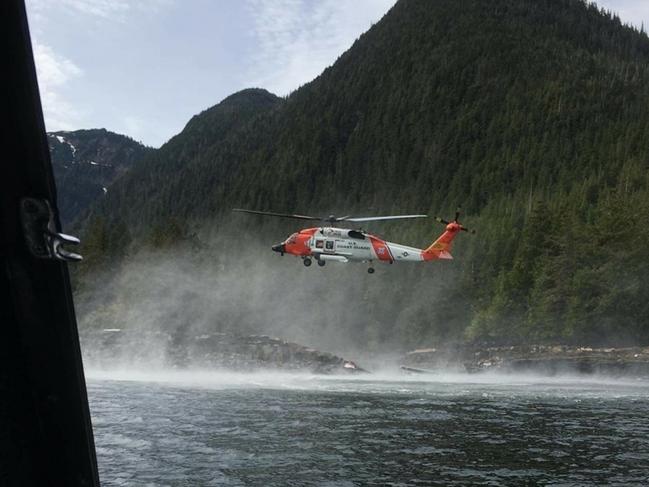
440	248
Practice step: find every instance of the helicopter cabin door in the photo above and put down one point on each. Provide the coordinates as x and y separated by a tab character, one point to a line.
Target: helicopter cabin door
330	246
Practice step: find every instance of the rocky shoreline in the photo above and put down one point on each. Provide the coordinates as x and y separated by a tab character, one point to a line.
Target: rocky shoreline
544	359
136	348
110	348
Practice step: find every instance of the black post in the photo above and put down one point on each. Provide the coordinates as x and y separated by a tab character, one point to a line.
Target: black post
45	430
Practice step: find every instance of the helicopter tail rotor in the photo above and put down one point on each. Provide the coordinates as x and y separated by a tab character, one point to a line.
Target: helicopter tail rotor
456	221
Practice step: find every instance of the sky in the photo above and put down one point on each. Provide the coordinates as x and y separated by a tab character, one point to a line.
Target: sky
143	68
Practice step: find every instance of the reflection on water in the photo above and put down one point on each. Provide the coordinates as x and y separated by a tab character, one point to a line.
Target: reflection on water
210	428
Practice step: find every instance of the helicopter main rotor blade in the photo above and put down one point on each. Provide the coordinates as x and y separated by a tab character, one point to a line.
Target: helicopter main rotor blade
380	218
281	215
330	218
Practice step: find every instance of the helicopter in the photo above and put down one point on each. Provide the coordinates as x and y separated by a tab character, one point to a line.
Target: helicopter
333	244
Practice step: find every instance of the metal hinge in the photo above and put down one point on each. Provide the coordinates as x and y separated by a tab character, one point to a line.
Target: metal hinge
43	241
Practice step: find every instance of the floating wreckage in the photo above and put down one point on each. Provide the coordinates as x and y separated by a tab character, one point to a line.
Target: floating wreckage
544	359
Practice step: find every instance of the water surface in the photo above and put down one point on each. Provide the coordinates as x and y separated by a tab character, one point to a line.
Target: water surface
210	428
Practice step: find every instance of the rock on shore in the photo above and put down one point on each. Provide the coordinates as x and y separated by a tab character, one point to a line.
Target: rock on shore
130	348
547	359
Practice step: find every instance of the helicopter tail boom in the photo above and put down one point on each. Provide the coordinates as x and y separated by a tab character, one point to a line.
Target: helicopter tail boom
440	248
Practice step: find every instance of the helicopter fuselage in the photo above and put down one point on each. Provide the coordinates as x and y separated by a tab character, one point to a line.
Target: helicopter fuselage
346	245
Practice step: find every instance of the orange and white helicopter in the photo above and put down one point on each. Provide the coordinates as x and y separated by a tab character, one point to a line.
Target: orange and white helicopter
329	243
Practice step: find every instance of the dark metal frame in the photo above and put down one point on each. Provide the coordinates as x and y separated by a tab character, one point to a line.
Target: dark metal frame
45	429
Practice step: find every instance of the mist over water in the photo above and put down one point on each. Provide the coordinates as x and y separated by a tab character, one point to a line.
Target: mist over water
388	380
388	375
247	289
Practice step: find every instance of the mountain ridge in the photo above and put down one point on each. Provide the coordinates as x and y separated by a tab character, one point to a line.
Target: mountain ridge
528	114
86	163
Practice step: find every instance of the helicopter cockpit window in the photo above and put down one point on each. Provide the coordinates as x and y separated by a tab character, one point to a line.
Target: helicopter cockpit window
319	244
292	239
356	234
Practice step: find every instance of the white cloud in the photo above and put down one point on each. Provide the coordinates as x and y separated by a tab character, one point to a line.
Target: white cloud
296	40
116	10
55	72
54	69
99	8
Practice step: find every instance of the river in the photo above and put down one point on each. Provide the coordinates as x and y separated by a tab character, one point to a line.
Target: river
213	429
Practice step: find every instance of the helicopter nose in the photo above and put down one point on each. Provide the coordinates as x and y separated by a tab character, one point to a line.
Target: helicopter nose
279	248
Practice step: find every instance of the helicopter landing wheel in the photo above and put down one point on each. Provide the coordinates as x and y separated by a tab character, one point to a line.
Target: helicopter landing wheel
307	262
321	263
370	270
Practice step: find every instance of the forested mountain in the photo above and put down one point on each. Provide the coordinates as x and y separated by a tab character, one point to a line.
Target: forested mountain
531	114
178	180
86	163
